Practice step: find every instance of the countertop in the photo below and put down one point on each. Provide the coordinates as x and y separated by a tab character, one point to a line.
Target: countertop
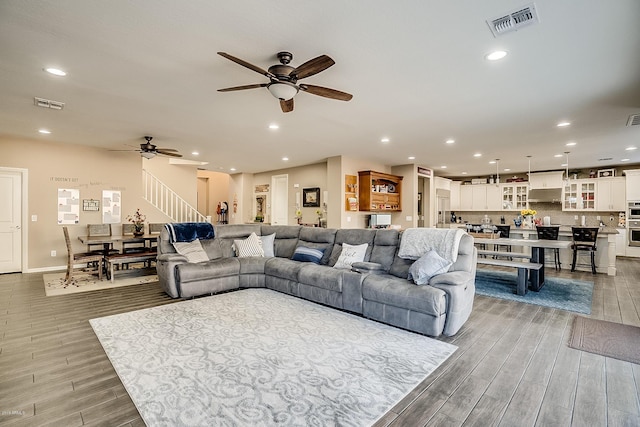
565	230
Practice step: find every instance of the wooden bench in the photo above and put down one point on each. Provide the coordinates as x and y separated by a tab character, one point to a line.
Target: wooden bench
128	258
523	268
504	254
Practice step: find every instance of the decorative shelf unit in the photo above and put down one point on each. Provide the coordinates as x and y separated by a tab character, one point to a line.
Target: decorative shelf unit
380	192
350	193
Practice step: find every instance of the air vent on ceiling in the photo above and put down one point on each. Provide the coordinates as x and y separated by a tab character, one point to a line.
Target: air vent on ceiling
605	159
47	103
513	21
634	120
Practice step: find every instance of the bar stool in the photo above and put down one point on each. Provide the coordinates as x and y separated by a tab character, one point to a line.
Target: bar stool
550	233
584	239
504	231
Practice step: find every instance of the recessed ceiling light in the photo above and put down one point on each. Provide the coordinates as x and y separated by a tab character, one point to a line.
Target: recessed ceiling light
570	144
55	72
274	126
232	169
285	159
557	155
631	148
492	162
195	153
564	164
46	132
477	155
385	140
443	167
464	173
450	141
412	157
507	170
563	124
624	160
495	55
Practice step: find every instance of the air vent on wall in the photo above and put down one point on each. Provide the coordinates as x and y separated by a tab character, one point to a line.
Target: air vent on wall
634	120
513	21
47	103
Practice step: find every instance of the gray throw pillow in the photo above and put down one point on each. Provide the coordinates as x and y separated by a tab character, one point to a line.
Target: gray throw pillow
192	250
267	245
428	265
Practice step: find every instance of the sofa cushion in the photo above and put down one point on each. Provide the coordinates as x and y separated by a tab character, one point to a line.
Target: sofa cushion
305	254
354	236
350	254
192	250
318	238
428	265
387	289
286	238
251	246
222	267
400	267
384	248
252	265
212	248
321	276
283	268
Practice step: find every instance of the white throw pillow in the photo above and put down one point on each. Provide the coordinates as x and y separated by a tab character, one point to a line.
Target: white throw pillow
192	250
251	246
267	245
428	265
351	254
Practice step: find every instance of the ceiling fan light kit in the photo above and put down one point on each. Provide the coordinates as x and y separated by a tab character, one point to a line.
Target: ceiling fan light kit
284	78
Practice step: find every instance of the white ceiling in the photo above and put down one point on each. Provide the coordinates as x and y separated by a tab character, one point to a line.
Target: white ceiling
416	70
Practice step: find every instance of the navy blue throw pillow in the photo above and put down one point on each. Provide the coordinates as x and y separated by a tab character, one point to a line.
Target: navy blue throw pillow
305	254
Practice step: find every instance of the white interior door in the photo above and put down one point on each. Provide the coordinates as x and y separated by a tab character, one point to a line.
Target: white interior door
10	222
279	199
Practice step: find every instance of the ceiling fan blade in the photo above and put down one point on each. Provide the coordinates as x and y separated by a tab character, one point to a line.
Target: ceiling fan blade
166	149
313	66
171	153
326	92
247	65
287	106
229	89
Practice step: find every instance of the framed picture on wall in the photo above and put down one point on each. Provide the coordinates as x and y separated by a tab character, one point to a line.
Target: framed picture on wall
311	197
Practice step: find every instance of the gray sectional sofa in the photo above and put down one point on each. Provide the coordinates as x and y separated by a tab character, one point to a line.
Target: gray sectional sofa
377	288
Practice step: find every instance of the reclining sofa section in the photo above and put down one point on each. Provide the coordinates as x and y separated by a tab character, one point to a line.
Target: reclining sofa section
377	288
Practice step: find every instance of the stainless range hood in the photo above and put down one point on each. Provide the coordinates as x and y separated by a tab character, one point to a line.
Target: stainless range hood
545	195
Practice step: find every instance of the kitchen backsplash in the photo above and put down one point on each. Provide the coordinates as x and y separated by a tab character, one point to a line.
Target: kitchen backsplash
553	210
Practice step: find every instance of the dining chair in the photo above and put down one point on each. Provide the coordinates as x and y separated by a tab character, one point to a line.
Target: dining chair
79	258
550	233
131	247
504	231
584	239
155	228
99	230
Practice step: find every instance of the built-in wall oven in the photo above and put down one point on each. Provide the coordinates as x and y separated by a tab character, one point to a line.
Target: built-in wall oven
634	210
633	225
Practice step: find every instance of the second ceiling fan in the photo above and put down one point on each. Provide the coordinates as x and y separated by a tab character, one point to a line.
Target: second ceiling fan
284	79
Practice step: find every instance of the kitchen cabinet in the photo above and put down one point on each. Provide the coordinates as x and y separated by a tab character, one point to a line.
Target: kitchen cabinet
379	192
442	183
632	185
350	193
610	194
480	197
579	195
539	180
621	242
454	203
514	196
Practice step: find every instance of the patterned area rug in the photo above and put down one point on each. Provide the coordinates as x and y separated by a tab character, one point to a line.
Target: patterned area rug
256	357
606	338
85	281
563	294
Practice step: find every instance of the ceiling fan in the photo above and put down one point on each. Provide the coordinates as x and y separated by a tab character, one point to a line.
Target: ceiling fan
149	150
284	78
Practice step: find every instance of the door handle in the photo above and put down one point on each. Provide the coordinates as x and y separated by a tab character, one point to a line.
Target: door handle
17	227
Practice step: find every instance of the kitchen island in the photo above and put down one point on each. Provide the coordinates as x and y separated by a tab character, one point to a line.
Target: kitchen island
606	246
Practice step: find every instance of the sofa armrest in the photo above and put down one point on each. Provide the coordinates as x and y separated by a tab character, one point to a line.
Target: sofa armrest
460	289
166	268
367	267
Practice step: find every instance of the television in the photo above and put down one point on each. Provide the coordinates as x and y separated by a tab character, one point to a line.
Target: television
380	220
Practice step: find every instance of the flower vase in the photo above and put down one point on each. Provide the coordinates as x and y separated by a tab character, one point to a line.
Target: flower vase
528	221
138	231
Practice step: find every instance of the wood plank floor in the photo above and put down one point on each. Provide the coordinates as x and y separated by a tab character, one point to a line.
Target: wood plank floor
512	368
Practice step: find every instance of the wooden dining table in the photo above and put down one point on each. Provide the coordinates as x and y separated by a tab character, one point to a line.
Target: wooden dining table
108	241
537	253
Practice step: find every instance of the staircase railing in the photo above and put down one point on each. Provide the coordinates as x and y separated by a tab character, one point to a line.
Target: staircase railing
168	201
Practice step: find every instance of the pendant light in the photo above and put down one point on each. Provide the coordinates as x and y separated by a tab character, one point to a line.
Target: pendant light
566	153
529	173
497	171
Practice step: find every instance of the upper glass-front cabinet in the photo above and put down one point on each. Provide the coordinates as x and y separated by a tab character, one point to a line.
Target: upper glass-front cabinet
579	195
514	197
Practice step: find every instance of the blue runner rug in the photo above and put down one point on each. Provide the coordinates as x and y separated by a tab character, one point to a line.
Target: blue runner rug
563	294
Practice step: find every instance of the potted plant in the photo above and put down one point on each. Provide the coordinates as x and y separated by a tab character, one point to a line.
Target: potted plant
137	219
